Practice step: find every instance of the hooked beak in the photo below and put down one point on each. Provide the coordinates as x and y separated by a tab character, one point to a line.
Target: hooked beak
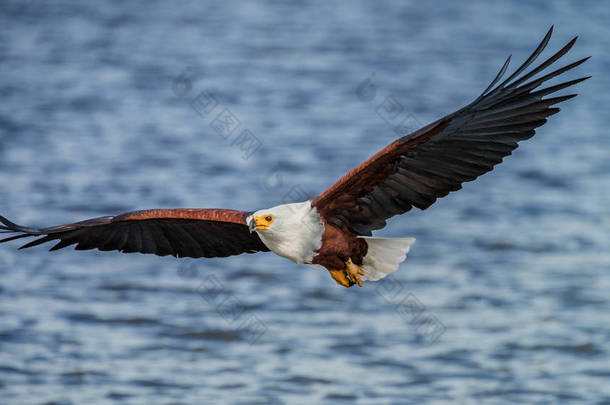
252	224
257	223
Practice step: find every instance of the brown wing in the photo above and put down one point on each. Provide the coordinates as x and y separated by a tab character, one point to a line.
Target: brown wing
177	232
429	163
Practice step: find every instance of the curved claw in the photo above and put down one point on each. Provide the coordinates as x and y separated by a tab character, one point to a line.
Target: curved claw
354	272
340	276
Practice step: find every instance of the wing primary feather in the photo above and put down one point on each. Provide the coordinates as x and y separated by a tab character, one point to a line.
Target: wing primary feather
507	128
532	57
24	235
495	80
106	242
162	246
194	248
171	241
182	240
13	227
535	83
557	100
121	237
38	241
129	246
545	64
553	89
199	237
68	239
497	91
512	110
524	99
148	242
63	243
526	118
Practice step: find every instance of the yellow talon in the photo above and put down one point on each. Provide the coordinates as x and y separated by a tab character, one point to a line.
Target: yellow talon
354	271
340	277
349	276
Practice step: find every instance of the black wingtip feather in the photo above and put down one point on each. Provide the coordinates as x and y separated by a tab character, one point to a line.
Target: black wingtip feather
544	64
37	242
62	244
557	87
532	57
556	100
553	111
13	227
498	76
23	235
8	225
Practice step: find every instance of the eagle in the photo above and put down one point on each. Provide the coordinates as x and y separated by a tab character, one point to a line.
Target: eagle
334	230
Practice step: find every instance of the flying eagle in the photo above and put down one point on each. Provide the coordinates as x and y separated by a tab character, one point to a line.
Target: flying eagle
335	229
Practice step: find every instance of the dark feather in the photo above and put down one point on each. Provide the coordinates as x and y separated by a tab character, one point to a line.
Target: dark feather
181	232
429	163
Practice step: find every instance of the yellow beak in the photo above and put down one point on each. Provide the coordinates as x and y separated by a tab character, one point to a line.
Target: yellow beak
259	223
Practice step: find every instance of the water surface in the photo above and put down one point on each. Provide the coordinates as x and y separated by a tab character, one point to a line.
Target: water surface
504	298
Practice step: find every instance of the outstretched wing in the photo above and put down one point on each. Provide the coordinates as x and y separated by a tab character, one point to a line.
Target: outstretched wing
429	163
177	232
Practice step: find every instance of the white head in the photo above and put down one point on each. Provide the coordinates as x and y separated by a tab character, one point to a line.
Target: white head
293	231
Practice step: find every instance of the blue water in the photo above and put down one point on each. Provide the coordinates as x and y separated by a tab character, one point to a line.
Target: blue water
504	298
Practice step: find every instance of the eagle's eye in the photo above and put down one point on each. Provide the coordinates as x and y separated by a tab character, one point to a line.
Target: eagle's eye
269	218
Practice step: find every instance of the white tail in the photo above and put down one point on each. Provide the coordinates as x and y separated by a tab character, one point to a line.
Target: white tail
383	256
